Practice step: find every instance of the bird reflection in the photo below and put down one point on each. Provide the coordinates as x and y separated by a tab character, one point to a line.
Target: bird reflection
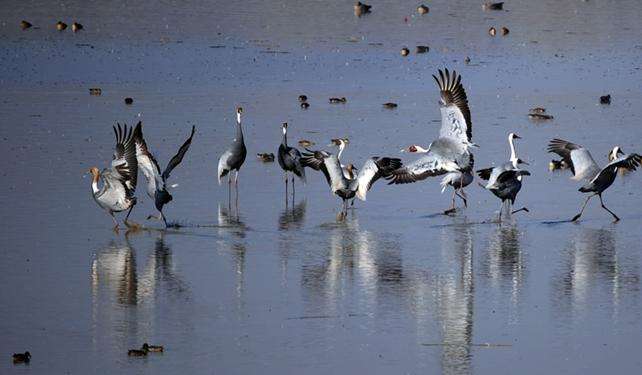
455	299
115	268
229	221
504	263
293	218
159	272
350	258
592	266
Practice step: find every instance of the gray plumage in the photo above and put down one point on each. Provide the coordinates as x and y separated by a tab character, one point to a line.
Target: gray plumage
157	181
583	166
290	158
372	170
119	181
505	180
234	157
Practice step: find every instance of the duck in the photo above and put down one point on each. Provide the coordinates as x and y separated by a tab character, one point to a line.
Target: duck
137	352
422	49
605	99
129	101
303	98
266	157
60	26
555	165
338	100
467	60
390	105
405	52
492	31
25	24
305	143
361	9
305	105
153	348
75	27
540	116
505	31
422	9
21	357
493	6
119	181
157	181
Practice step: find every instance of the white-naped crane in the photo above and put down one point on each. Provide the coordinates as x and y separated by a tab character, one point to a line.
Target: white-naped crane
157	180
373	169
290	160
450	152
505	180
119	181
341	144
234	157
458	180
584	168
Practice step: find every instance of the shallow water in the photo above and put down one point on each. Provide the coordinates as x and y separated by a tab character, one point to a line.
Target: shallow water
396	287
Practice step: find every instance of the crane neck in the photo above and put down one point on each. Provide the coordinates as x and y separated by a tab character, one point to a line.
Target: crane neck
239	128
341	147
284	142
513	152
94	183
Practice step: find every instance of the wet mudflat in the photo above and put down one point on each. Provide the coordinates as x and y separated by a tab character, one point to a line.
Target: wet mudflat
275	287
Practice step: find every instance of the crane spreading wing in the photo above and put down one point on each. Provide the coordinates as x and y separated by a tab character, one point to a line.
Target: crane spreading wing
455	113
124	164
577	157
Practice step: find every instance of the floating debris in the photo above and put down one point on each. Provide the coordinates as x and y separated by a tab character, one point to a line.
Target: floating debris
303	98
493	6
422	9
21	357
75	27
60	26
605	99
95	91
25	25
338	100
422	49
505	30
129	101
390	105
305	105
266	157
467	60
492	31
361	9
405	51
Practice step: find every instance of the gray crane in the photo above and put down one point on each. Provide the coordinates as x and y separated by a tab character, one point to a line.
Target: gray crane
583	167
346	189
119	181
450	152
157	181
234	157
290	160
505	180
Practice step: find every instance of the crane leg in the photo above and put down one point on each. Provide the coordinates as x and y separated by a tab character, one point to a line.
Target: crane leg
293	191
461	194
236	188
611	212
129	225
452	208
583	207
116	225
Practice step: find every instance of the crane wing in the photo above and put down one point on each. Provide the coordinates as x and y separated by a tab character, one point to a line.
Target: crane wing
455	113
427	166
372	170
577	157
178	158
124	165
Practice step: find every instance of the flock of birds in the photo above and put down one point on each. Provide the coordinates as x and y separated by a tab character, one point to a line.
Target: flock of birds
449	155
